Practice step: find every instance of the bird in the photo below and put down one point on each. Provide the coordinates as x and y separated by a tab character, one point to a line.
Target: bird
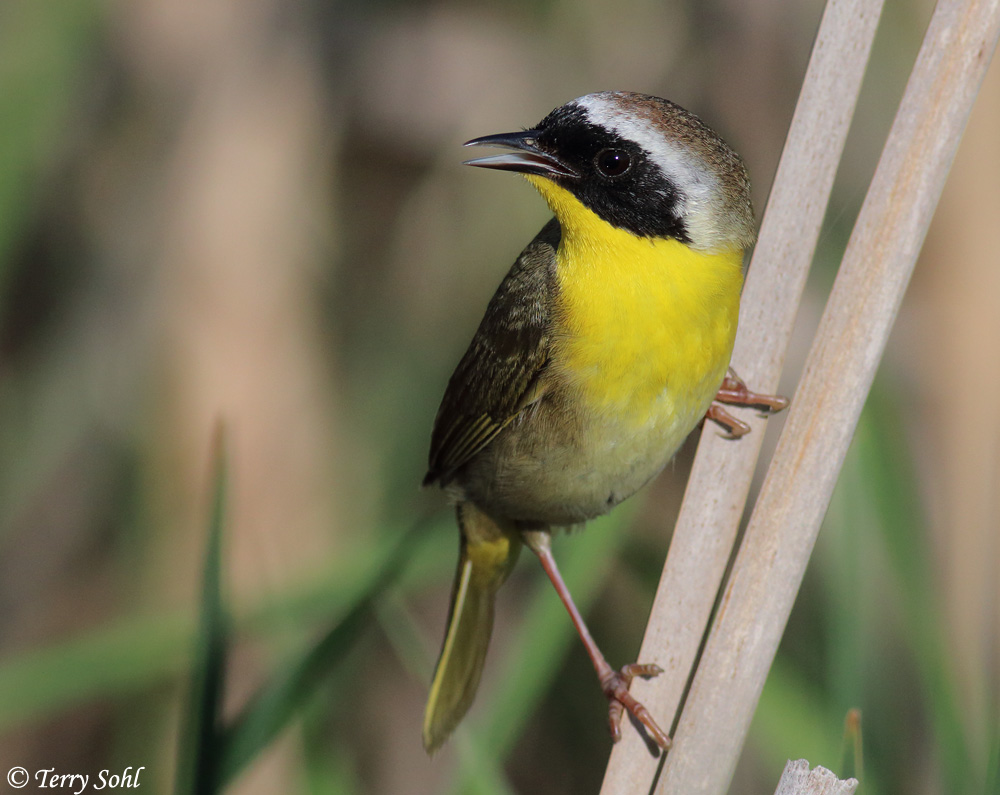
605	345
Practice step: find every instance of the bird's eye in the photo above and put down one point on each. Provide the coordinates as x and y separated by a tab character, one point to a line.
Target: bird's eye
612	162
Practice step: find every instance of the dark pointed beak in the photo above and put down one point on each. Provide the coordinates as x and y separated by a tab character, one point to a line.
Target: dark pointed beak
527	157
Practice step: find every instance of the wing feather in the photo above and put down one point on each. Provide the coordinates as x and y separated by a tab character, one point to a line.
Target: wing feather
501	372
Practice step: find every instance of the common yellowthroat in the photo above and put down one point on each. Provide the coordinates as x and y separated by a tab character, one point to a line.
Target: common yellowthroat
604	346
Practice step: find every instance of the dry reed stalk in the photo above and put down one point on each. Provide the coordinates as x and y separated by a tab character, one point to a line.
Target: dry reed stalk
720	479
798	779
841	365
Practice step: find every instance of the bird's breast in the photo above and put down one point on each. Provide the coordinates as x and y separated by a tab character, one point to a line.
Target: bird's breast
645	328
642	331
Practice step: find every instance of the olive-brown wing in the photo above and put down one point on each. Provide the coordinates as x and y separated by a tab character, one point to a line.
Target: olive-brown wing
502	372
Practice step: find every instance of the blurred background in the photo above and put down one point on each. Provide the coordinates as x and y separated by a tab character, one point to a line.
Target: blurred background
253	213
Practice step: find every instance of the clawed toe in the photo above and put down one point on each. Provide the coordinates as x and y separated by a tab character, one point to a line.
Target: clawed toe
615	686
735	393
734	428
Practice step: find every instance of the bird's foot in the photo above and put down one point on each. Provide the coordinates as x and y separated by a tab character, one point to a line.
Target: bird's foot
734	392
733	427
615	685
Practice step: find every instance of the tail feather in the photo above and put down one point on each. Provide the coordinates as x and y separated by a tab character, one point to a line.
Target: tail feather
487	554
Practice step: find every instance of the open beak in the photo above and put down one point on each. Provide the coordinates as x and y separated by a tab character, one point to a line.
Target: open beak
526	158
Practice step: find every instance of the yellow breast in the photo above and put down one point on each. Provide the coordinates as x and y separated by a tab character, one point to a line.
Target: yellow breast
647	326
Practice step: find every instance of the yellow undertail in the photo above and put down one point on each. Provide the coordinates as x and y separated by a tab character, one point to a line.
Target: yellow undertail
487	554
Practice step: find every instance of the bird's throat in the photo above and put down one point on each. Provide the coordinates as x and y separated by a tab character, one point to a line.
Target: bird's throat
647	324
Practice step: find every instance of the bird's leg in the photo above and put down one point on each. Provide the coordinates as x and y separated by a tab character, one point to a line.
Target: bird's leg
614	683
735	393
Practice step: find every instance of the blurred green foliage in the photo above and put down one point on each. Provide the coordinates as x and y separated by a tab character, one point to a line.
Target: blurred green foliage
326	669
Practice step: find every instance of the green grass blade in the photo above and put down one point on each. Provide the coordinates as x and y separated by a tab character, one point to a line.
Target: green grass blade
111	661
791	720
278	701
852	759
888	471
199	742
993	765
133	653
